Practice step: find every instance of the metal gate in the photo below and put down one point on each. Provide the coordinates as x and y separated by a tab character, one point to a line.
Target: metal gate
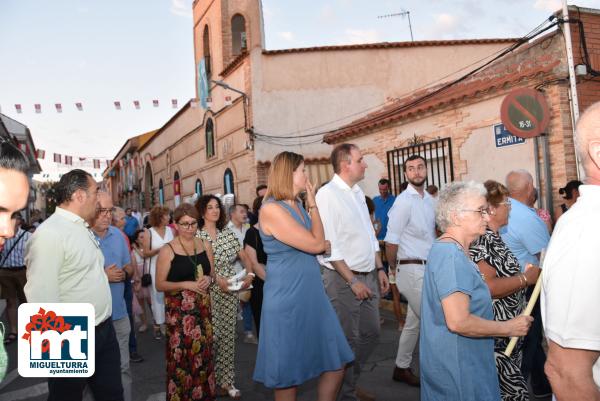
438	153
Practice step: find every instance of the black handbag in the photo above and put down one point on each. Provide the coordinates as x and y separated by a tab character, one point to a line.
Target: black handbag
147	277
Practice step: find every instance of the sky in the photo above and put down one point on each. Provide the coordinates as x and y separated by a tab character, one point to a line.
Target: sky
97	52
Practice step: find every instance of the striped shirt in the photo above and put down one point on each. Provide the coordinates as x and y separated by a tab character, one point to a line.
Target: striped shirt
16	256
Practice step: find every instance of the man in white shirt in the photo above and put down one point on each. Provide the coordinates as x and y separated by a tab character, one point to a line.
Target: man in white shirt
410	234
354	277
237	223
65	264
571	280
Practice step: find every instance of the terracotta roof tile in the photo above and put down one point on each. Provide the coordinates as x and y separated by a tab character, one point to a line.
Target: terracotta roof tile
389	45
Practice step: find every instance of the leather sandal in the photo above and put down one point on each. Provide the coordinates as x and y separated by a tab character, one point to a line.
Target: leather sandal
232	392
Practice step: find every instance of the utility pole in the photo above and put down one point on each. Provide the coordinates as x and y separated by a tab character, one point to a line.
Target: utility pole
403	13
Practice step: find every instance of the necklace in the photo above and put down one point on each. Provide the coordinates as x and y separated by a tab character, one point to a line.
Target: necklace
198	272
465	252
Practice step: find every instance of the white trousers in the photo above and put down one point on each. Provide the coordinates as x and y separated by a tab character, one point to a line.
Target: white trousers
409	280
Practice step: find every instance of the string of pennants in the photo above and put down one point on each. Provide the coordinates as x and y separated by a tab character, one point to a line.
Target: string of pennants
67	159
79	106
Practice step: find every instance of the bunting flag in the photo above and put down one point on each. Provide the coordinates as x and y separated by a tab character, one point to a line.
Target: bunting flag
41	154
23	147
57	158
137	104
69	160
97	163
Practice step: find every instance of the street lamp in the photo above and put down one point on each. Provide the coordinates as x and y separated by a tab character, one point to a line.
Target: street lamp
225	85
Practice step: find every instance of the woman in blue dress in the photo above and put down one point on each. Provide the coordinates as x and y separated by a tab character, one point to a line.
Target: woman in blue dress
457	319
300	337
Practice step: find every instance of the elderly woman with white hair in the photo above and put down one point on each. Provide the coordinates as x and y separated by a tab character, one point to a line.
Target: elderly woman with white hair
457	319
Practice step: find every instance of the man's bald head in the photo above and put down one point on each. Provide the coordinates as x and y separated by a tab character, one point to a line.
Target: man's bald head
588	140
520	185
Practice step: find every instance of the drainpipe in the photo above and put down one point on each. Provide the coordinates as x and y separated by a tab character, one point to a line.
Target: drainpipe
574	101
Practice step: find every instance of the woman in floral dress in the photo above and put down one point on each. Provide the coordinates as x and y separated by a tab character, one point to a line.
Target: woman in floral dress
184	272
226	249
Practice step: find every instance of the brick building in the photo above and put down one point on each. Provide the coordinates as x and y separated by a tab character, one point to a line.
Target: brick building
456	125
253	103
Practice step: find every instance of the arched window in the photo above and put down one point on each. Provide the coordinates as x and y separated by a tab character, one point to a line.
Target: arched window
198	187
206	51
210	139
238	35
161	193
228	182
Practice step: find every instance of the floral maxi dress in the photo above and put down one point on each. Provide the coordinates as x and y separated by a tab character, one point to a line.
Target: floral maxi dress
190	356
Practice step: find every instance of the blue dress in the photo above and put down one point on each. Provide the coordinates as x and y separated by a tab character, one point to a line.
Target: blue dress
300	334
454	367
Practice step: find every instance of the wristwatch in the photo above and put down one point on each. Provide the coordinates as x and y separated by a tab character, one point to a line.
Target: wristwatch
352	282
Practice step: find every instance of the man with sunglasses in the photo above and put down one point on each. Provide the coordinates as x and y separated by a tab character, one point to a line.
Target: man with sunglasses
117	266
65	264
526	235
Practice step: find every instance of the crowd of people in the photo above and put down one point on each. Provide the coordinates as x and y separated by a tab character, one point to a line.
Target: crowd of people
307	269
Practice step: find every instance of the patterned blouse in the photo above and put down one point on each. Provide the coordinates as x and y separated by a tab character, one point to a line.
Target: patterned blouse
491	249
225	250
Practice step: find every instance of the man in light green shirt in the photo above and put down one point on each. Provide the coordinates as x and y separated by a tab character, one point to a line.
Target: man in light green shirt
65	264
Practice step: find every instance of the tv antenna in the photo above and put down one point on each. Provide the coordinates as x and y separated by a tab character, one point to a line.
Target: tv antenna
403	13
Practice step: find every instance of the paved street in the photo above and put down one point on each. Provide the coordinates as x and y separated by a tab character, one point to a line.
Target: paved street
149	384
149	376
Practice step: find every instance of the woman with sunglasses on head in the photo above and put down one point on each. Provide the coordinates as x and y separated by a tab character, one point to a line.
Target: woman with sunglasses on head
502	274
184	272
457	319
226	249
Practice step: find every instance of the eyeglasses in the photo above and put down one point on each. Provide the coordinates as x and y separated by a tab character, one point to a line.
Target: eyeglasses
187	226
482	212
105	211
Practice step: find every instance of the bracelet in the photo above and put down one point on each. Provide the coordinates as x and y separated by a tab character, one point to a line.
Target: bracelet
251	274
380	268
311	208
521	285
525	278
352	282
